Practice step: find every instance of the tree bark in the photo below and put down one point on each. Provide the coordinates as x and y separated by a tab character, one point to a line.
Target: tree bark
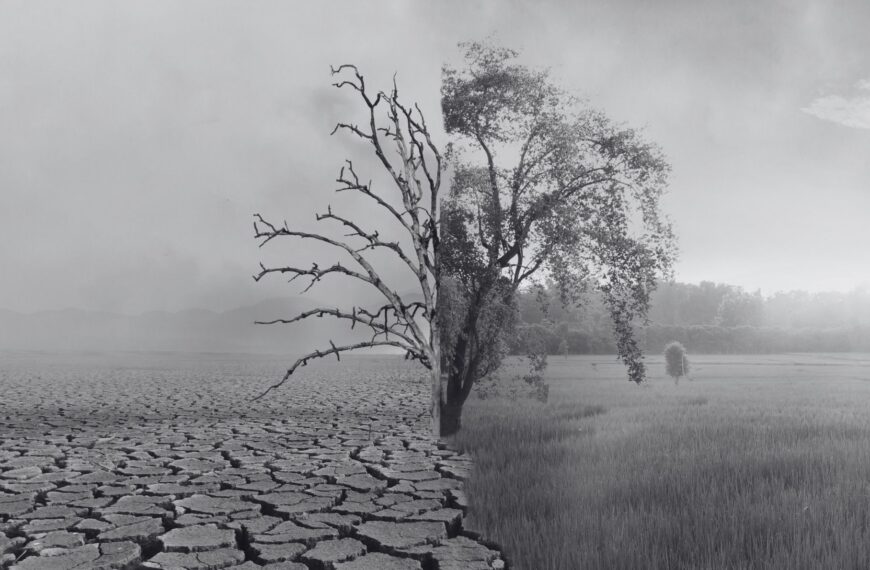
436	404
451	415
459	385
435	378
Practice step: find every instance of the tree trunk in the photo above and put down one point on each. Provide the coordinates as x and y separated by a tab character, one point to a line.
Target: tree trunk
457	390
451	415
436	404
436	382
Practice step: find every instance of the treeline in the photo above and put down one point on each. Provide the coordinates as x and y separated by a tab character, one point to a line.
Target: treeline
706	318
744	339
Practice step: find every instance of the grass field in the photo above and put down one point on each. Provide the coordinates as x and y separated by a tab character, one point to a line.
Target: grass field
758	462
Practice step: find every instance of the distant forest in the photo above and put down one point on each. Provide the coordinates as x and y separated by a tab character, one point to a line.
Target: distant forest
708	318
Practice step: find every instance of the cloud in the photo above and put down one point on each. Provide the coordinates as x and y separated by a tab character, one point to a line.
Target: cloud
851	111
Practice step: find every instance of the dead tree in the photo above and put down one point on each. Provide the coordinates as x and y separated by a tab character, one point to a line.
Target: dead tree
400	139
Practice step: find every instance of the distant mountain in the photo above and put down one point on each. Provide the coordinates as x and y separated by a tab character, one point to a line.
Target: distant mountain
190	330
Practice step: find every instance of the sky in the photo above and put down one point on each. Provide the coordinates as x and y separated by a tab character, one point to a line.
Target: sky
138	138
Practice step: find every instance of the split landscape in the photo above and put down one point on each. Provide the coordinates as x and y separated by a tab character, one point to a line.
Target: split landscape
755	462
407	285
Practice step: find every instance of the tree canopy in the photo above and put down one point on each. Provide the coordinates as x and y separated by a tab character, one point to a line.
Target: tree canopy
543	188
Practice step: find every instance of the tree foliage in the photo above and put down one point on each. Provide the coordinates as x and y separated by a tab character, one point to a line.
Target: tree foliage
676	362
740	308
543	187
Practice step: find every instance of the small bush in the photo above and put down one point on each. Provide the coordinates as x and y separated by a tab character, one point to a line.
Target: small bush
676	363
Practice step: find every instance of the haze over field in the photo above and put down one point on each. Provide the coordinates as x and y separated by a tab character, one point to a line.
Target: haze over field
138	139
194	330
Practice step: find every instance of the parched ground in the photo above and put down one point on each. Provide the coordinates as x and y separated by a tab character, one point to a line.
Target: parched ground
162	461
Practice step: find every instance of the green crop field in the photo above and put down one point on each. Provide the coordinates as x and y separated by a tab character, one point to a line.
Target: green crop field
756	462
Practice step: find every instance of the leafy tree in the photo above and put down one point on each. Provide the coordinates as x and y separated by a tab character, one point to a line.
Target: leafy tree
687	304
676	362
738	308
544	188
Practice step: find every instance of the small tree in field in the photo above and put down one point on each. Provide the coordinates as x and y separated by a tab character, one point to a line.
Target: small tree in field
563	348
676	363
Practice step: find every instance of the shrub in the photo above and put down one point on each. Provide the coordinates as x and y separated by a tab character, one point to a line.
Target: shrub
676	363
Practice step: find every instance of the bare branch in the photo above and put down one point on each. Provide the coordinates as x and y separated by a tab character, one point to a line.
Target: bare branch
373	239
303	361
354	184
352	128
414	164
372	277
357	316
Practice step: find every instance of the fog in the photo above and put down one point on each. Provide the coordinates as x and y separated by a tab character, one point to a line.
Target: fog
137	139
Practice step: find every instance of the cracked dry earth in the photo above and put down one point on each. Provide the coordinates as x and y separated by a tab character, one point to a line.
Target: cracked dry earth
161	461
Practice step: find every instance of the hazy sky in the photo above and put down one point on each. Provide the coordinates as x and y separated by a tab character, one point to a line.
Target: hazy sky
137	138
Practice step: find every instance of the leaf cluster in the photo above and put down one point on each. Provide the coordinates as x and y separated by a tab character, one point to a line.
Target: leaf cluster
546	188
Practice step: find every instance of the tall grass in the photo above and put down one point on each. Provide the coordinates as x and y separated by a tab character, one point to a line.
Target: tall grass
755	464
